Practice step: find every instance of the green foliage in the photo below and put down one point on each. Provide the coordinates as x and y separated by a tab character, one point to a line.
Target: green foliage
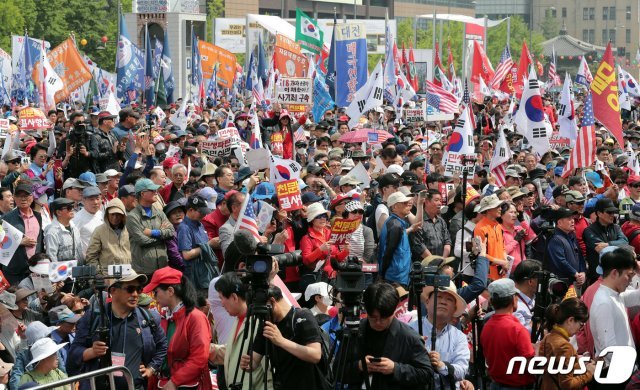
215	9
453	32
11	21
373	59
550	27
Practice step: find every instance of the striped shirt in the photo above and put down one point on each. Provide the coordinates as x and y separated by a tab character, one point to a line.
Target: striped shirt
356	243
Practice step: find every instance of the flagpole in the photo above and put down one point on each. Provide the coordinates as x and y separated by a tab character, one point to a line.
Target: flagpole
117	40
508	31
146	51
190	80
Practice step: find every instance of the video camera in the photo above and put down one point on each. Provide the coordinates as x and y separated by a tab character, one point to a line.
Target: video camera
550	287
79	136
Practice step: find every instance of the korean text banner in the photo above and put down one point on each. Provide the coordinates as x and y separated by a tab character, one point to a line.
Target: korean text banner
69	66
351	61
224	60
288	59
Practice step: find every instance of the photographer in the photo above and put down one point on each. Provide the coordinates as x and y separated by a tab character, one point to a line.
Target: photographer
79	143
563	321
136	339
526	282
233	296
565	256
394	354
295	348
451	357
460	248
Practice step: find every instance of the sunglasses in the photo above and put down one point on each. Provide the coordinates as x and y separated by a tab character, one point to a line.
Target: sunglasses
322	216
611	212
621	183
357	212
235	165
131	289
636	185
578	203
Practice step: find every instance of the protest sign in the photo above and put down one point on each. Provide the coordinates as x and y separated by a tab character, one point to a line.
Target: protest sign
229	133
289	195
558	142
258	159
341	230
414	115
10	242
4	127
294	90
220	148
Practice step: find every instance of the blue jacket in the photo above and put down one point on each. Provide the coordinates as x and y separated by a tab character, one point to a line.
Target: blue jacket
394	252
565	257
154	342
18	267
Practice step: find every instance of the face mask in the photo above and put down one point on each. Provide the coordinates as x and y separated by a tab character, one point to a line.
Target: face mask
407	139
327	301
242	123
301	151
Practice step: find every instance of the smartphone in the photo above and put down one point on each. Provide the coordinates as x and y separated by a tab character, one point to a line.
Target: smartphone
261	176
375	360
119	270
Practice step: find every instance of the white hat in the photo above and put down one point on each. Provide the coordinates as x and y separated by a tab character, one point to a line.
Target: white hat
489	202
315	209
36	331
8	300
395	168
112	172
319	288
41	267
44	348
461	304
397	197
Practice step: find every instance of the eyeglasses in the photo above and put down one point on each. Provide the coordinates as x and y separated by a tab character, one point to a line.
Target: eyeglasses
130	289
436	149
621	183
335	165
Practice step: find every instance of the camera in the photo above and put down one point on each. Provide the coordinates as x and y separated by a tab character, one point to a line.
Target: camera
349	277
551	286
290	259
78	135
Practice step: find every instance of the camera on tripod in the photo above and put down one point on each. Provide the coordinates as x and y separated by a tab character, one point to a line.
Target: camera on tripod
78	135
551	287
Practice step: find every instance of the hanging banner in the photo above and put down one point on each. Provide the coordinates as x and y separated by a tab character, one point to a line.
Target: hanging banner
69	66
475	32
351	61
288	59
289	195
294	90
225	62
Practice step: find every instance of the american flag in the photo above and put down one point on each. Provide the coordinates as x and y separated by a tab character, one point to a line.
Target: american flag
247	219
299	135
466	99
503	69
441	99
554	79
583	154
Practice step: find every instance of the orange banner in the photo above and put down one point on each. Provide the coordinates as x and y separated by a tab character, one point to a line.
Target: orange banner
604	91
224	61
70	67
288	59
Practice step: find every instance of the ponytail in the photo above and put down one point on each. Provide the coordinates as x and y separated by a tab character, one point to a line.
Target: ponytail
185	291
556	314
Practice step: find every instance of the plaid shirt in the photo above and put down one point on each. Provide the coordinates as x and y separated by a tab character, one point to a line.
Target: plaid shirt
433	236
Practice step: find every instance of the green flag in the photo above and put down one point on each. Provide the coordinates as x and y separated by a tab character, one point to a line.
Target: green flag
161	92
92	94
308	33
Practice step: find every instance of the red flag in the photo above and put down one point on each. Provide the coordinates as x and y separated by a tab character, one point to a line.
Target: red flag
450	68
604	89
404	56
413	76
507	84
481	65
523	69
437	65
539	67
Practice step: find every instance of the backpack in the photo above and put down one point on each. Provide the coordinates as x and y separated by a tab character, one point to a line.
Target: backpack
323	368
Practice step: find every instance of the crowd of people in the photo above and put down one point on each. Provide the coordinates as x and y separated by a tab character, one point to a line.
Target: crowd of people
136	191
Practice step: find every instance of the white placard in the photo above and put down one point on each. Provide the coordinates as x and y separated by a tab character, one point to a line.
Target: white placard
294	90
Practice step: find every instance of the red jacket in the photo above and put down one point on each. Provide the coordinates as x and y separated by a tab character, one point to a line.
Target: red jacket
292	274
212	223
188	352
311	252
165	192
628	228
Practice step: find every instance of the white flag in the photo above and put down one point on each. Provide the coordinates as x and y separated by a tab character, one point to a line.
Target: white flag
623	96
483	87
584	76
113	107
632	162
460	146
52	143
159	113
566	112
367	97
9	243
630	84
180	118
502	152
530	117
265	215
282	170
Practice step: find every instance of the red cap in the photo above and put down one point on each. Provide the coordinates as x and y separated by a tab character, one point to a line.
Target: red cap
633	179
339	199
169	163
229	193
166	275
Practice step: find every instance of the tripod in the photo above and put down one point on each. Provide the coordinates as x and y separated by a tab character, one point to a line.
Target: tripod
349	337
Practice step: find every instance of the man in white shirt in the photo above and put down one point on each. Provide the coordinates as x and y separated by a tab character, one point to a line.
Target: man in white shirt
526	282
90	217
608	317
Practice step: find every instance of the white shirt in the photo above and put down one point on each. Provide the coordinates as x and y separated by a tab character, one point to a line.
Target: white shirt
86	224
608	318
459	247
381	210
223	322
524	311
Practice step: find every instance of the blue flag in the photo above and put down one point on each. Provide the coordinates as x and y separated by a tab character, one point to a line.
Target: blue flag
167	71
248	85
157	57
129	67
149	75
31	92
322	100
196	68
351	61
262	63
19	80
212	88
331	66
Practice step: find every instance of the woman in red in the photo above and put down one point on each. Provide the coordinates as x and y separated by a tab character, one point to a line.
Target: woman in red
315	244
188	332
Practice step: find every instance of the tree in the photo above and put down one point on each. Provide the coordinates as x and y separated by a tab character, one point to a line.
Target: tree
215	9
550	27
11	22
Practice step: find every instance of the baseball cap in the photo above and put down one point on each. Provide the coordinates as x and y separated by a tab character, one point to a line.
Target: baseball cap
605	204
127	190
166	275
59	203
90	192
319	288
130	277
635	212
72	183
388	179
199	204
633	179
88	179
349	180
101	178
574	196
563	213
310	197
62	313
145	185
112	172
502	288
24	187
397	197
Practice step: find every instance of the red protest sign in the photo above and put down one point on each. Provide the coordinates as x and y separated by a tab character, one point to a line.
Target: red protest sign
341	230
289	195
